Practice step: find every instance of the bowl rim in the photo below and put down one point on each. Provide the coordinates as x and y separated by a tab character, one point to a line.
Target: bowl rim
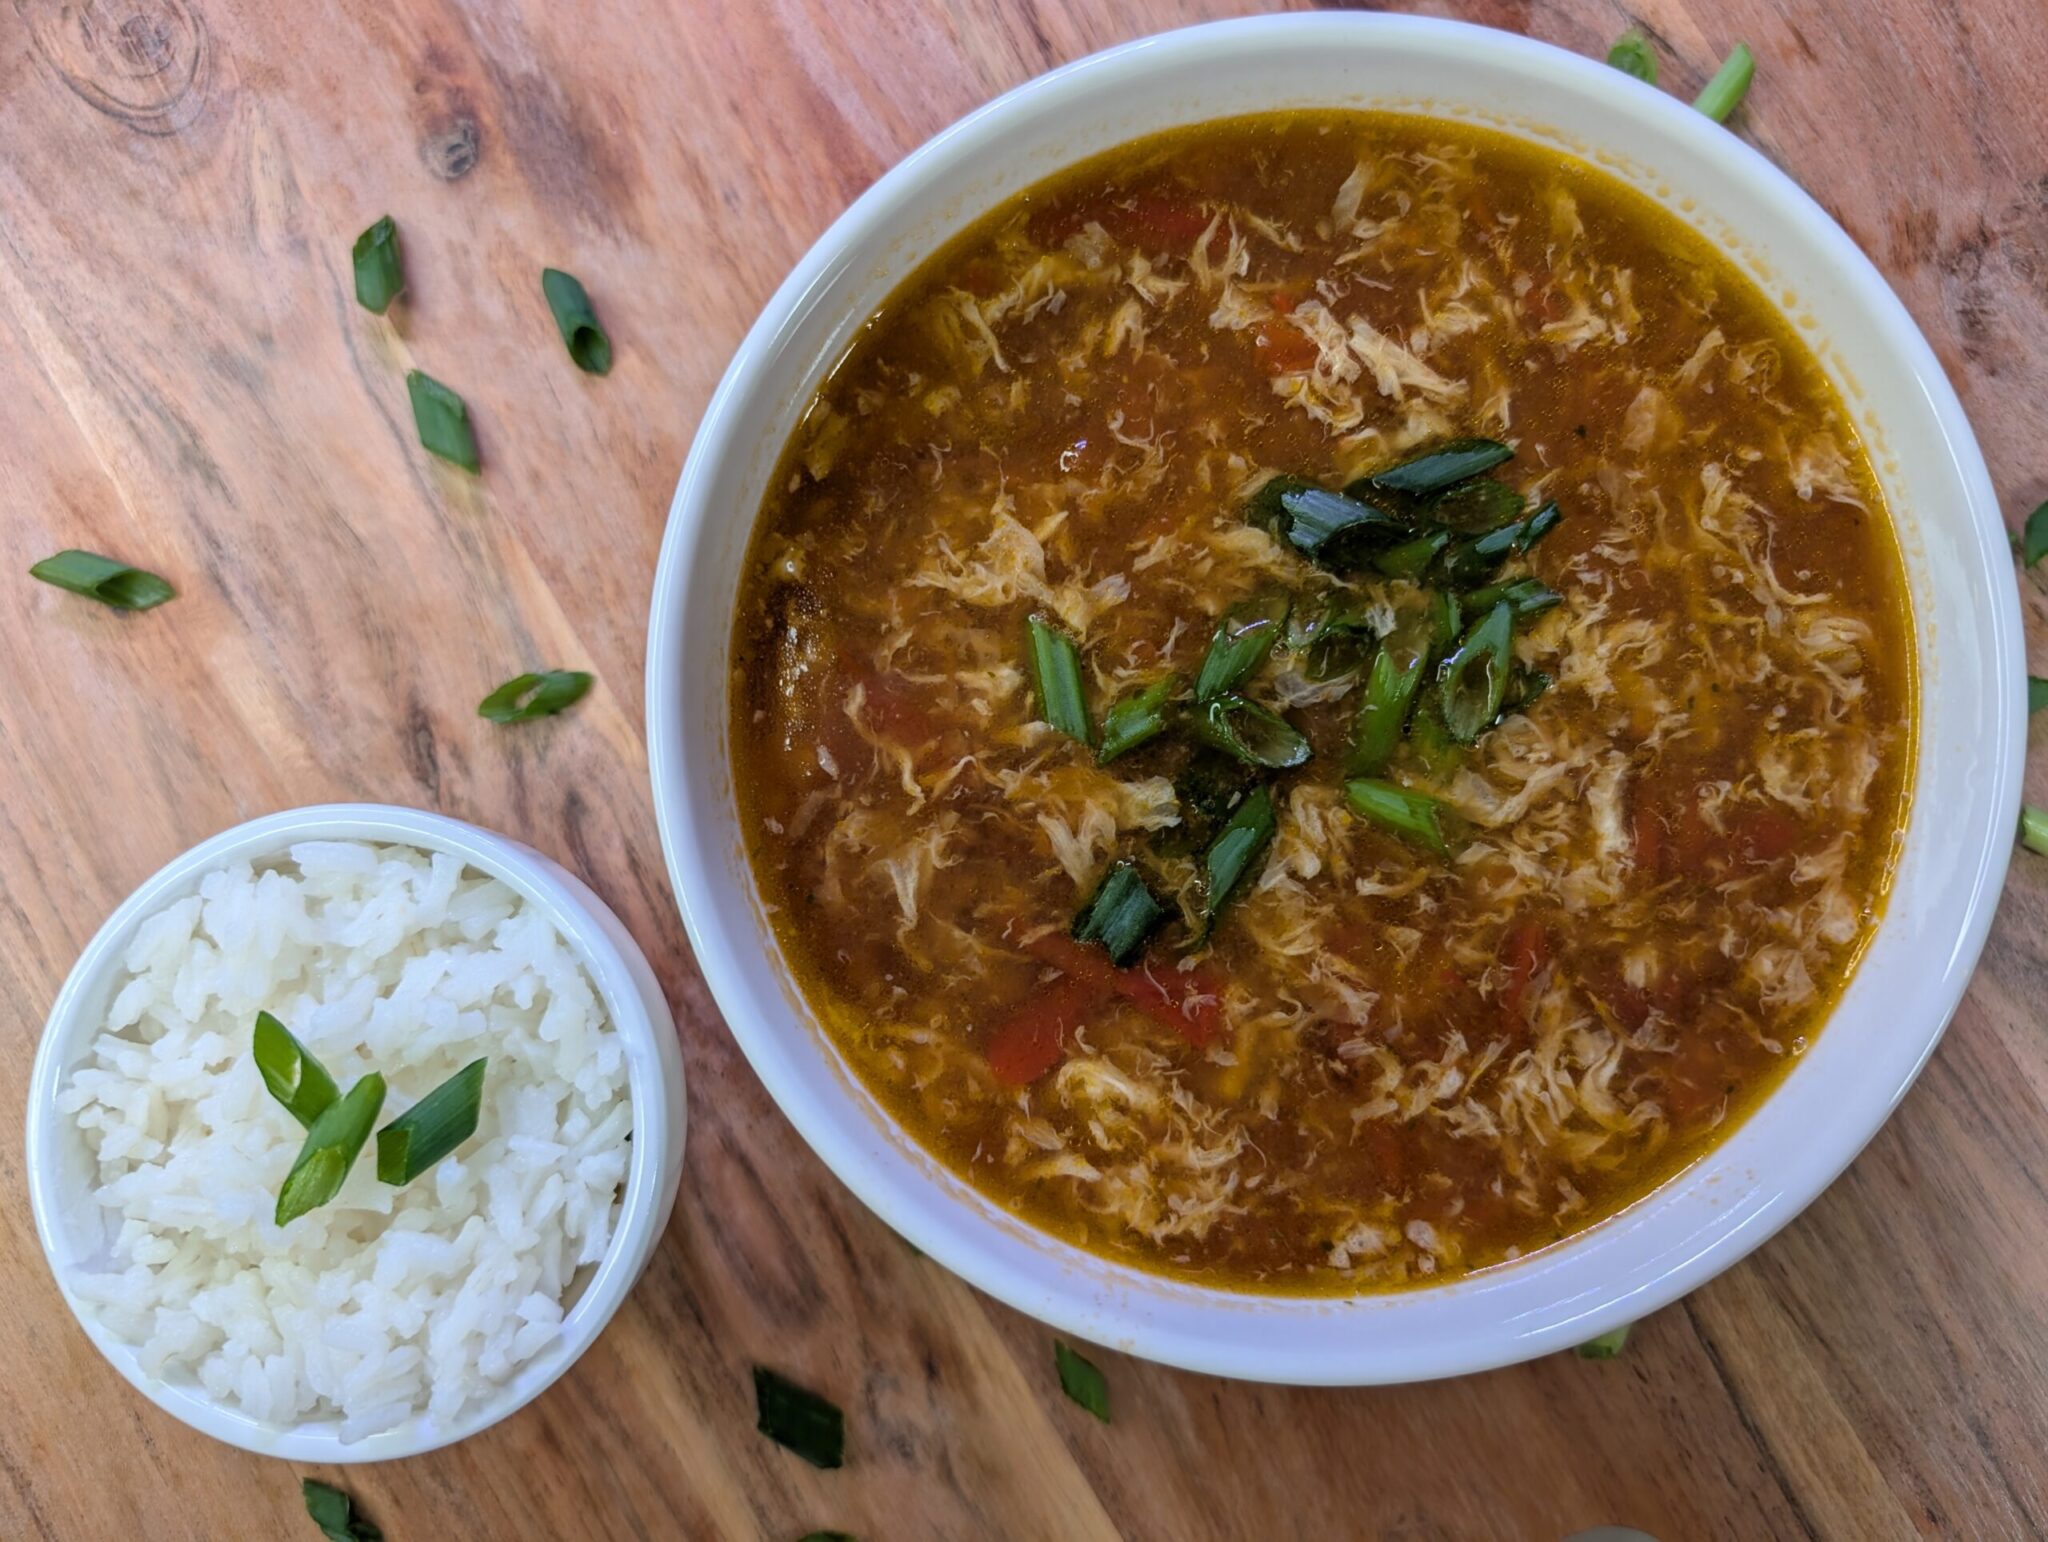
688	840
655	1082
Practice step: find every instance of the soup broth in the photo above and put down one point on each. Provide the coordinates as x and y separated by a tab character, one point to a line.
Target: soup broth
1601	886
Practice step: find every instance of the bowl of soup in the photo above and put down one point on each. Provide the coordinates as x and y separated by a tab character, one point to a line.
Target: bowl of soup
1335	699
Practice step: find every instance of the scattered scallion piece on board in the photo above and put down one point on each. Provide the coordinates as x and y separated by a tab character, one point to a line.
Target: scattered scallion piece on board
1607	1345
442	1120
1242	639
1120	915
2034	544
1235	852
335	1513
380	276
103	579
1056	674
581	335
526	697
443	420
1416	816
1081	1381
294	1077
1631	55
1724	93
1136	719
2034	830
333	1142
2037	693
798	1419
1254	734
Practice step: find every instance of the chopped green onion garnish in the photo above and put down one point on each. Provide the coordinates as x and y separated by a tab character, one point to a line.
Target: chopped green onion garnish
1528	596
379	277
1478	505
1478	557
1237	847
1411	559
442	1120
1137	718
335	1513
2034	544
1472	683
1730	84
584	338
1056	672
1081	1381
1432	471
1334	641
1524	686
1243	638
294	1077
2034	830
799	1420
1631	55
1254	734
332	1145
1390	687
443	420
1321	524
1121	914
2037	693
1607	1346
1412	814
526	697
103	579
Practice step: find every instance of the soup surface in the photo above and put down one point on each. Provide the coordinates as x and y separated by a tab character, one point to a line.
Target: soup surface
1374	1036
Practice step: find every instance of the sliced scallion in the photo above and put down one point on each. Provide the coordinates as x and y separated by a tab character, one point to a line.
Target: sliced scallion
1607	1345
103	579
442	1120
2037	693
526	697
1256	735
1081	1381
1326	527
1243	637
335	1513
1390	687
577	322
2034	830
1478	557
1413	815
1472	683
1412	558
2034	543
1120	915
1333	641
1631	55
1235	851
333	1143
1136	719
294	1077
443	421
798	1420
1477	505
1433	470
1724	93
1528	596
380	278
1056	673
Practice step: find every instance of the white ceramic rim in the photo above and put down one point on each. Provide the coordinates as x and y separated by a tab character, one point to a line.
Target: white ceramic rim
1599	1278
638	1012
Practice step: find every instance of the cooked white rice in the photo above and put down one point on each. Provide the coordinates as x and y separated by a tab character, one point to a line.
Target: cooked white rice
388	1300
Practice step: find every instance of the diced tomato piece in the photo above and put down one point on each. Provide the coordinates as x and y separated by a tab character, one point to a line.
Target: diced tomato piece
1525	953
1282	348
1190	1001
1154	219
1765	834
1030	1041
1649	840
890	706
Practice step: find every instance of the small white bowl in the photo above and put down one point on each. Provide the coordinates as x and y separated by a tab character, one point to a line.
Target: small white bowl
60	1175
1970	733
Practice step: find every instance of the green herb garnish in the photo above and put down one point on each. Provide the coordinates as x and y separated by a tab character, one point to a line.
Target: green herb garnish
1256	735
1478	557
1235	851
1390	687
1120	915
443	421
1472	683
1527	596
1477	505
1724	93
333	1142
584	338
2034	543
1056	673
1413	815
1334	641
335	1513
1631	55
1136	719
2034	830
1323	525
1607	1345
2037	693
442	1120
379	277
294	1077
799	1420
526	697
1243	638
1432	471
1412	558
1081	1381
103	579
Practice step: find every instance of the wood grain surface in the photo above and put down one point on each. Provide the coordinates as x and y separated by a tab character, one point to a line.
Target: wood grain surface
187	382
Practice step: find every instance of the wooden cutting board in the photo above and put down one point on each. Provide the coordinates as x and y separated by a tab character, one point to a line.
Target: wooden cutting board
186	380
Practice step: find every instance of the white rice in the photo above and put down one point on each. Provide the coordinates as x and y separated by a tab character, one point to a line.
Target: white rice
387	1301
